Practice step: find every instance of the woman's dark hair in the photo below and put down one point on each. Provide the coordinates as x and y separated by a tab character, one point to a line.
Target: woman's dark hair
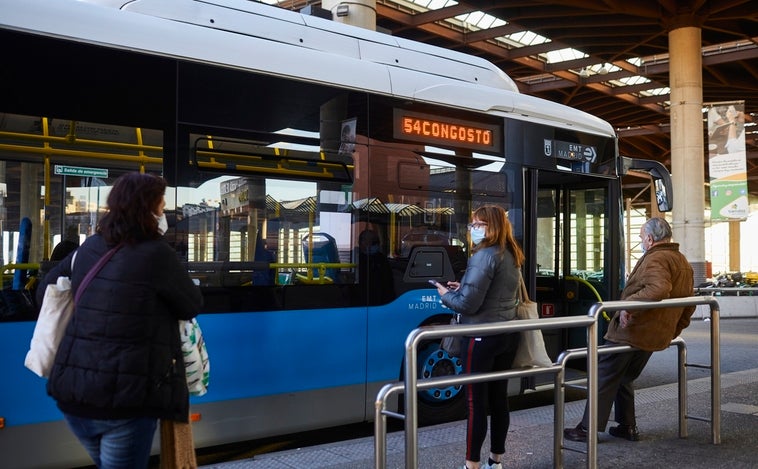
132	203
499	232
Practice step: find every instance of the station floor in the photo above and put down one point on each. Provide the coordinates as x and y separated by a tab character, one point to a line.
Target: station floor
530	440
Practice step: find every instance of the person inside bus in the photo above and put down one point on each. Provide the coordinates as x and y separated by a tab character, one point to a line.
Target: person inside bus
486	293
68	244
662	272
376	285
262	254
119	366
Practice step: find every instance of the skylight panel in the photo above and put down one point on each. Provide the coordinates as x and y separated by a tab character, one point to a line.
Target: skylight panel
423	3
527	38
635	80
437	4
477	20
657	91
563	55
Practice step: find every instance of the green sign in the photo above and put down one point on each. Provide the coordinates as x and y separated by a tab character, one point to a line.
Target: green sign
79	171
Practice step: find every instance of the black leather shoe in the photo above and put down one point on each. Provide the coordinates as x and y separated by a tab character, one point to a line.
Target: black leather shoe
578	433
627	432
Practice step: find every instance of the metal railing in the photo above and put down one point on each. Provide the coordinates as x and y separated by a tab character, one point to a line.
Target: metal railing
412	384
559	392
715	353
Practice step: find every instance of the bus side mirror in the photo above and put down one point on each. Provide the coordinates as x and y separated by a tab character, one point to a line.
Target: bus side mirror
664	193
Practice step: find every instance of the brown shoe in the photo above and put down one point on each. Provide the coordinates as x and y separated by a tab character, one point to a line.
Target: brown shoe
578	433
627	432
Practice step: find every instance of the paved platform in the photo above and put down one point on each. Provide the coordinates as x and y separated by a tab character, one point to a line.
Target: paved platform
530	440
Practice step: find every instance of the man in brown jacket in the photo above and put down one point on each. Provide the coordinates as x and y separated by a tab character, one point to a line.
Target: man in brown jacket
662	272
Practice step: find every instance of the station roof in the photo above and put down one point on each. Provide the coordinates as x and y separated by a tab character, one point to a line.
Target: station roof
607	58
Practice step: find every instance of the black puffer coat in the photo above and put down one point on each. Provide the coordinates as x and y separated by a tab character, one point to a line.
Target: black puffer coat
121	356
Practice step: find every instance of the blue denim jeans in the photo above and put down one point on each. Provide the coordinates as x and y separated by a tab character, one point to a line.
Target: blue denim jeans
115	444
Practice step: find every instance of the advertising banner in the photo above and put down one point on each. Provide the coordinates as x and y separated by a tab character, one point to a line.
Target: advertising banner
726	160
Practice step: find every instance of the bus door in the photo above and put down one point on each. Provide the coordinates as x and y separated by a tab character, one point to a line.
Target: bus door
576	237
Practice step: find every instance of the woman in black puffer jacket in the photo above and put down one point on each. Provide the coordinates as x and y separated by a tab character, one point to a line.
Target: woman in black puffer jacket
119	366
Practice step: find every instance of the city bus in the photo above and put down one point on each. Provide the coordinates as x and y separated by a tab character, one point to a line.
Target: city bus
319	176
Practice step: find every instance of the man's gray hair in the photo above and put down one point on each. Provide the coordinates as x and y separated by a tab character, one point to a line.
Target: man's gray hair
658	228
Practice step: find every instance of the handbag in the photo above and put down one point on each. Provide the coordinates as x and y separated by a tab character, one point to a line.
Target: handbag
452	344
54	315
197	366
531	350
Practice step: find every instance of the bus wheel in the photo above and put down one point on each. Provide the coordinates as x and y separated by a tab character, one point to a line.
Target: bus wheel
441	404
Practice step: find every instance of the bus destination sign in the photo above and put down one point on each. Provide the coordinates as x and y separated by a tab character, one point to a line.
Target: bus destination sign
443	131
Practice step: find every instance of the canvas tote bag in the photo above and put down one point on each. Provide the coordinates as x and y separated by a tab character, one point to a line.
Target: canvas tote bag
531	350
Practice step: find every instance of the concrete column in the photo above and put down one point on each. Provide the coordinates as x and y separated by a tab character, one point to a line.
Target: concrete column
687	155
734	246
361	13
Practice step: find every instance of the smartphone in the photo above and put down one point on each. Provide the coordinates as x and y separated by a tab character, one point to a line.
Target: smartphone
434	283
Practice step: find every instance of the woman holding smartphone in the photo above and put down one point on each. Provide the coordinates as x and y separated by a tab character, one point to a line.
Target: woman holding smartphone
487	293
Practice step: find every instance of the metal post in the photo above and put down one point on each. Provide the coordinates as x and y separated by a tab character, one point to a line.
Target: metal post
592	395
380	429
715	373
411	411
682	385
559	393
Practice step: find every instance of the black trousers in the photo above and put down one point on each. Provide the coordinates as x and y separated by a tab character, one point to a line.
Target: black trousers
480	355
616	375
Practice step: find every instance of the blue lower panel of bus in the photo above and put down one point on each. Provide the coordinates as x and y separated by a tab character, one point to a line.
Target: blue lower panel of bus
271	373
23	397
258	354
251	354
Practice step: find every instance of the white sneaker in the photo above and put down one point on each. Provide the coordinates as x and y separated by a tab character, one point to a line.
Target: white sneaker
484	465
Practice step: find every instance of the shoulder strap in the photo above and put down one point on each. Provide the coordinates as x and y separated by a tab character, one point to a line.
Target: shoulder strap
523	294
94	270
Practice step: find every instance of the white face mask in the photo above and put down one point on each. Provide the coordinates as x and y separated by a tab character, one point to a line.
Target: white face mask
645	246
162	223
477	235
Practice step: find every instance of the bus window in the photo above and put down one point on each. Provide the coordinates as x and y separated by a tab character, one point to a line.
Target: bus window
55	177
270	228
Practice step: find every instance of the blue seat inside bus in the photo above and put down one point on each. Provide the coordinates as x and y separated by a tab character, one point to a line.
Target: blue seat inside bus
324	250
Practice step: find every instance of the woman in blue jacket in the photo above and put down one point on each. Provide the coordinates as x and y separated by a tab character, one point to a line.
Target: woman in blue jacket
487	293
119	366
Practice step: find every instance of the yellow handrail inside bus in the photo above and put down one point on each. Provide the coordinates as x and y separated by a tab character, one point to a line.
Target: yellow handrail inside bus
592	289
21	266
48	139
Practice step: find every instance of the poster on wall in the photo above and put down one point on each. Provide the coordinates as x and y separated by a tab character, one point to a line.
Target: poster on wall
726	160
